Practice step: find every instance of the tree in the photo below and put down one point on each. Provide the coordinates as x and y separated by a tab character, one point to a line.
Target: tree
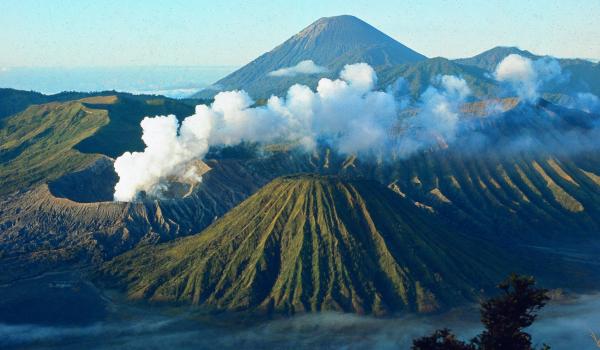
442	339
504	318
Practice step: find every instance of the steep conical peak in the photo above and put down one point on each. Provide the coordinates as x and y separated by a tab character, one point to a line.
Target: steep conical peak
331	42
344	28
312	243
326	39
327	23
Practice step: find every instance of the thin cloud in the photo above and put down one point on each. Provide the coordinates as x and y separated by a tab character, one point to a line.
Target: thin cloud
304	67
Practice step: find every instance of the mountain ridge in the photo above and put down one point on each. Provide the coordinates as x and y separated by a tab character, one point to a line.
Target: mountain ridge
489	59
578	75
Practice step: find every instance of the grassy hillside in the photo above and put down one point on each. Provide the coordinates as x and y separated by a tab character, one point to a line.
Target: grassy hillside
45	141
311	243
14	101
123	132
37	144
523	197
546	188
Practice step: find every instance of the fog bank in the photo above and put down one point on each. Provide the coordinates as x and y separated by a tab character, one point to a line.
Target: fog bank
563	326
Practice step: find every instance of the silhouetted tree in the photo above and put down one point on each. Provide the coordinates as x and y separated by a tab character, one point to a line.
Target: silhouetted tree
504	318
506	315
442	339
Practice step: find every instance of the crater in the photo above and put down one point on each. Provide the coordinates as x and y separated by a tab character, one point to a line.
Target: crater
96	183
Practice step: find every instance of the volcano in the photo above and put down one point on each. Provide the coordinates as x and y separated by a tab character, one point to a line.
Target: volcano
331	42
311	243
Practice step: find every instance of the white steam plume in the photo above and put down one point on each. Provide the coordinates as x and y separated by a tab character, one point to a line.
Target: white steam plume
586	102
346	112
525	77
168	148
303	67
438	116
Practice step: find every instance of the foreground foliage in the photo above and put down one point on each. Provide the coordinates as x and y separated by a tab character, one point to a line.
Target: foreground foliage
504	317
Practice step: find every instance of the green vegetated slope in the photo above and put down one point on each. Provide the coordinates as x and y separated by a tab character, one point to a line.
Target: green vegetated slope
48	140
536	175
311	243
124	133
522	197
37	144
13	101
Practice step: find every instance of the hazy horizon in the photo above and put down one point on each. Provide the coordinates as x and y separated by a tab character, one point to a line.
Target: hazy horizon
170	81
184	47
85	33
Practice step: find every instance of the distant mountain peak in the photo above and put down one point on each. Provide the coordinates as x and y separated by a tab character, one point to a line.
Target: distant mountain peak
489	59
339	18
346	32
336	23
324	23
329	41
508	49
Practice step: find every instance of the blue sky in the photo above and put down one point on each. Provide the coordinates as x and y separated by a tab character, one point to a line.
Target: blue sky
71	33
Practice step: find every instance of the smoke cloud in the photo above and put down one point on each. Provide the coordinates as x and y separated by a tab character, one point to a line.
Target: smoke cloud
586	102
563	326
168	148
346	114
525	77
303	67
438	117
